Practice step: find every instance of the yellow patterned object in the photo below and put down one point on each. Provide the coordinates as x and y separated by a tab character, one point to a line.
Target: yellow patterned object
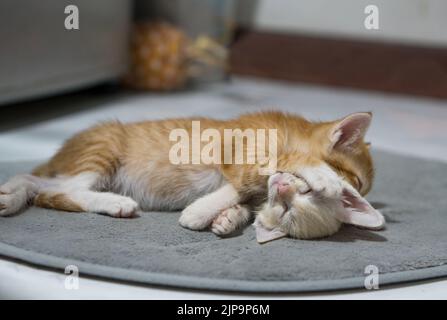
158	59
164	58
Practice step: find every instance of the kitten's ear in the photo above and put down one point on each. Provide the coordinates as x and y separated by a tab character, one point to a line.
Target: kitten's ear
264	235
350	130
356	210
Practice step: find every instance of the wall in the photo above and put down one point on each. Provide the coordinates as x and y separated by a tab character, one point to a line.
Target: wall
407	21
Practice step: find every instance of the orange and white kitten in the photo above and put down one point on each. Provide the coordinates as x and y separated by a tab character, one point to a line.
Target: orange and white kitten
324	169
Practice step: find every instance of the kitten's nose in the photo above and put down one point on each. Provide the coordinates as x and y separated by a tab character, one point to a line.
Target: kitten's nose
283	188
280	182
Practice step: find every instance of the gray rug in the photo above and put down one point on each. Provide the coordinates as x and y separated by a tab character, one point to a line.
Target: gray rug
154	249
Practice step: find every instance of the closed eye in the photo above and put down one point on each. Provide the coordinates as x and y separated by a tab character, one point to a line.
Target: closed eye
303	190
296	175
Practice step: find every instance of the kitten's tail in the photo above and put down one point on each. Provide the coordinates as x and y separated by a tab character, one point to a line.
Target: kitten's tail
17	193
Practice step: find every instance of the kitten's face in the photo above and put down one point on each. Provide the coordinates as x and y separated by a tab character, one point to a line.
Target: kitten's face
313	194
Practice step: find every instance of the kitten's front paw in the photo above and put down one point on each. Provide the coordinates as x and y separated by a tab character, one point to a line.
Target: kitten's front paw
198	215
323	181
194	219
226	222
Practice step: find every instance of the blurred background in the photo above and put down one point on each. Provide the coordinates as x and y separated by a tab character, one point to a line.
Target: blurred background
322	42
153	59
62	71
139	59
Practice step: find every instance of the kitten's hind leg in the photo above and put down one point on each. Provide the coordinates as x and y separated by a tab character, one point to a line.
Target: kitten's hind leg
16	193
230	220
75	194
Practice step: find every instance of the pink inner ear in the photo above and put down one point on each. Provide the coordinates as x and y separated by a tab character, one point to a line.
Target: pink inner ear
357	211
264	235
351	130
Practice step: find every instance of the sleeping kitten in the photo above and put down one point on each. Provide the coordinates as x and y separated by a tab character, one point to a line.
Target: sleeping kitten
298	210
314	191
116	168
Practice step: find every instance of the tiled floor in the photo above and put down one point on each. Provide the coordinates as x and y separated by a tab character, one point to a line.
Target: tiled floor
406	125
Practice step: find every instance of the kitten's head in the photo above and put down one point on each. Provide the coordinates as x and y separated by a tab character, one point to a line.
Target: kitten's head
314	192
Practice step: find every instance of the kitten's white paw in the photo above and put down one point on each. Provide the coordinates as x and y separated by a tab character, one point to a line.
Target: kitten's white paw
197	216
119	207
192	220
11	203
323	181
227	222
201	213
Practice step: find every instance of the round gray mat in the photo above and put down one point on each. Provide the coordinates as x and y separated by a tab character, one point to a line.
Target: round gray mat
154	249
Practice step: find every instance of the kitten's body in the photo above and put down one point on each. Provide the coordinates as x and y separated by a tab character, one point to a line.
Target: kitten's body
114	168
133	159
